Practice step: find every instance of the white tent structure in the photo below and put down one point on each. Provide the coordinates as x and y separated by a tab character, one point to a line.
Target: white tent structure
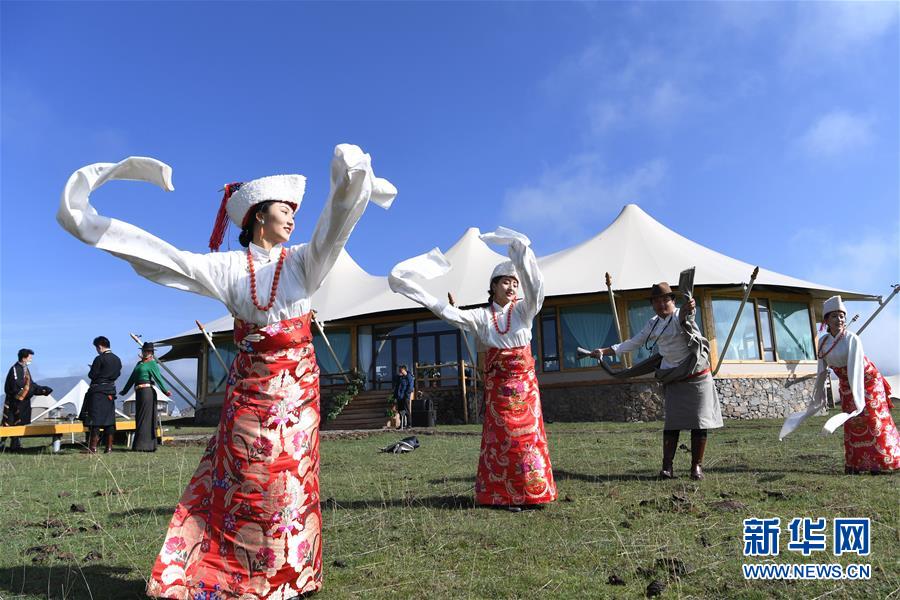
74	397
44	404
635	249
163	403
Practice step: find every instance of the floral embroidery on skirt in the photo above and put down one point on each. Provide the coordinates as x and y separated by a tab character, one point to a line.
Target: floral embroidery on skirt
249	525
514	465
871	440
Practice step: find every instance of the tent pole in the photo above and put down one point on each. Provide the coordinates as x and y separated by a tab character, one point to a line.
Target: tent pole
330	349
724	349
465	341
208	337
612	304
881	306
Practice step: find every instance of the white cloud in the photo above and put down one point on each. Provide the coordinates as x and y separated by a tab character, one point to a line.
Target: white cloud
835	31
628	86
567	201
836	133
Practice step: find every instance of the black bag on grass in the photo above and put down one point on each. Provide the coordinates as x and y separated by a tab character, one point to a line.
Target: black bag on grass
403	446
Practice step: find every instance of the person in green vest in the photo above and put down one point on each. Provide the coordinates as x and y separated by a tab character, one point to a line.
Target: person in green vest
144	377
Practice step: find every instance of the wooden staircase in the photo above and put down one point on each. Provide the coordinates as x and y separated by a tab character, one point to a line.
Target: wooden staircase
366	411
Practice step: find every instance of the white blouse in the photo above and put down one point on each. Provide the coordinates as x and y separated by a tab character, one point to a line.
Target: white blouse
480	320
665	334
225	275
847	352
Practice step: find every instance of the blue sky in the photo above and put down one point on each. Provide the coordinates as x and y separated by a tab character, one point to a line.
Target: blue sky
767	131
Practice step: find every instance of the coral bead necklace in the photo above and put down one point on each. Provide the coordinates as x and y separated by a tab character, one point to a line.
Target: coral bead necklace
274	290
508	318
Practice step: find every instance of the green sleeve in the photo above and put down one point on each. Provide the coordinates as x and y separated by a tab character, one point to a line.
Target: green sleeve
130	379
157	376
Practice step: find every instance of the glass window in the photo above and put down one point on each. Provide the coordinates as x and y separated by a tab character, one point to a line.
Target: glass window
433	325
549	347
364	353
448	348
639	313
390	329
793	337
589	326
744	343
340	343
534	340
765	327
216	376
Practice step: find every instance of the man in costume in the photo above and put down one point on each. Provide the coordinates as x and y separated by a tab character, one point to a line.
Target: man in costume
99	408
680	359
19	390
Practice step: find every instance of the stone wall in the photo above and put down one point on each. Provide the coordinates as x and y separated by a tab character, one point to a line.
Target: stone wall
740	398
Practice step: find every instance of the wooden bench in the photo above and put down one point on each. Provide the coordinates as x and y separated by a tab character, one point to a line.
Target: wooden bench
57	430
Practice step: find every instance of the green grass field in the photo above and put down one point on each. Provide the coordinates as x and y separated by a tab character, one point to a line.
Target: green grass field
404	526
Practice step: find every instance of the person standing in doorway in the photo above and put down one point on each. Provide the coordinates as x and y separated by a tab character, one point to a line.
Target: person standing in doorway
403	389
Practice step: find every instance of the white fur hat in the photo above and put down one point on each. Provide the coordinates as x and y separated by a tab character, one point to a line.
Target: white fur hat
239	198
832	304
505	269
286	188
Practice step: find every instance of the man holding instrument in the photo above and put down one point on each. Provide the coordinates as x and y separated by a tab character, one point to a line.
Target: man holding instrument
680	359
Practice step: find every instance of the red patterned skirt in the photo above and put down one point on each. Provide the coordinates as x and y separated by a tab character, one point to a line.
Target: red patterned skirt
249	525
871	440
514	466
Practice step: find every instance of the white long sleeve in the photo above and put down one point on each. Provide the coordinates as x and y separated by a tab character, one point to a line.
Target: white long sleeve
430	265
224	275
479	321
845	352
353	184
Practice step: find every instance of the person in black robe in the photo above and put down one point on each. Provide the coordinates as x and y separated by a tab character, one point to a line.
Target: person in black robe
99	408
19	390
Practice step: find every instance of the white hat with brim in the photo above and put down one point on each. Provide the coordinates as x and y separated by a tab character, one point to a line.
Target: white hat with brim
832	304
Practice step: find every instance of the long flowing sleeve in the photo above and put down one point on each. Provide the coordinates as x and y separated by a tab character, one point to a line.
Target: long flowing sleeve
429	266
856	379
531	281
353	185
148	255
816	404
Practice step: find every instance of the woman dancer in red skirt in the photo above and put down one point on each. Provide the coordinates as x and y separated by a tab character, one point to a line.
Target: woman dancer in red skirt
248	525
514	465
871	440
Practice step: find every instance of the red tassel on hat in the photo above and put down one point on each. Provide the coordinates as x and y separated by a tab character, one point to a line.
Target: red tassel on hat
221	224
